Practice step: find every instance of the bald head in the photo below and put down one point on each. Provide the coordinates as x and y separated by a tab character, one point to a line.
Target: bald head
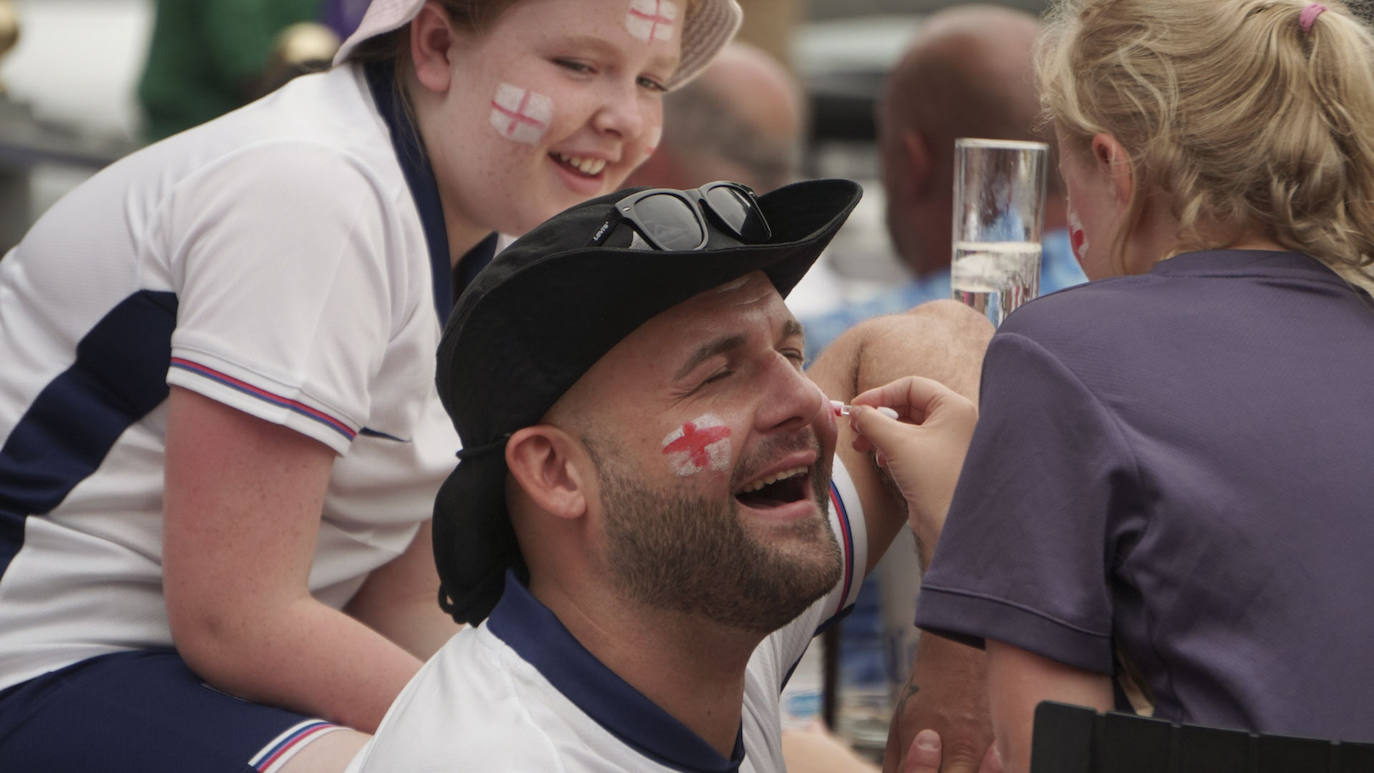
742	120
968	72
758	89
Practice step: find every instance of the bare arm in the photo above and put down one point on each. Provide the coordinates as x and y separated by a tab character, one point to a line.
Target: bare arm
944	341
923	453
400	600
1018	680
941	340
817	750
242	511
946	692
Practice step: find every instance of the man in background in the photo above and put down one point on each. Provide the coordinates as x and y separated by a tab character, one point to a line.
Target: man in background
966	73
741	120
744	119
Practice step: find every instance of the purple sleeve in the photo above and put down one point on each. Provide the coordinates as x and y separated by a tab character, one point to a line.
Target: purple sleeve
1026	551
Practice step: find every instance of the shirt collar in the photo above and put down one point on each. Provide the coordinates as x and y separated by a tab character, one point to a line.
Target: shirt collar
1266	263
537	636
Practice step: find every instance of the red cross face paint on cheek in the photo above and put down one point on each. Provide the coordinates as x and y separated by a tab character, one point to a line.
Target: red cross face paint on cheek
1078	239
519	114
699	445
650	20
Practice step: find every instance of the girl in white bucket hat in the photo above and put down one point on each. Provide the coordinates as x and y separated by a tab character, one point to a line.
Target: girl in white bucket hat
219	435
567	125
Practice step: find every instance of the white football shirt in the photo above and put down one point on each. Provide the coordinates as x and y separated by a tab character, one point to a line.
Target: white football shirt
519	693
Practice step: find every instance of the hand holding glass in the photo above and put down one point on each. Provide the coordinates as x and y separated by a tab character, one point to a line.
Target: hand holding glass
999	210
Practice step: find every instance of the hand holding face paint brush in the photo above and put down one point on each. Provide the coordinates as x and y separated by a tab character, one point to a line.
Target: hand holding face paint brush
922	450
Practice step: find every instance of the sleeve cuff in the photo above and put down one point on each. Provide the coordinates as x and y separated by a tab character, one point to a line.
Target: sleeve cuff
847	518
314	421
971	619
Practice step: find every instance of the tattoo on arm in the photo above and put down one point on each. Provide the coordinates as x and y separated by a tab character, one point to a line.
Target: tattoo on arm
908	692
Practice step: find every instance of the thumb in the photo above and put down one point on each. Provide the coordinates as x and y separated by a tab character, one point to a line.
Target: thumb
924	754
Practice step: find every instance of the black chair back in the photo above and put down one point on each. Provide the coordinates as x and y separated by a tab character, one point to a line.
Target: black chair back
1074	739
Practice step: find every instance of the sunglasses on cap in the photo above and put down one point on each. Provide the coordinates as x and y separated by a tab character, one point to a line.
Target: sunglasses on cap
673	220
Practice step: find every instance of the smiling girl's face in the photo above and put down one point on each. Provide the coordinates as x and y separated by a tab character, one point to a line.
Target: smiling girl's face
554	104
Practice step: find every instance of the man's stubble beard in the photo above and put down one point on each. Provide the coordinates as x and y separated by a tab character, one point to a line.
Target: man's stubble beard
692	554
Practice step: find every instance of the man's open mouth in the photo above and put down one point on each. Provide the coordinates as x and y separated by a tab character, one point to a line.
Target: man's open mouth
781	488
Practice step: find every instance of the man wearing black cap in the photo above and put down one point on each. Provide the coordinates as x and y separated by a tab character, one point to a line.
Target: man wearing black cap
641	520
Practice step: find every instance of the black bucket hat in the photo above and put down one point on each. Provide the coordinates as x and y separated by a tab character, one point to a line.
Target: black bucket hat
542	313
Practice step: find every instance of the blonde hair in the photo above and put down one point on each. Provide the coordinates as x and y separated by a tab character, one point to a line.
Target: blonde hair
1248	122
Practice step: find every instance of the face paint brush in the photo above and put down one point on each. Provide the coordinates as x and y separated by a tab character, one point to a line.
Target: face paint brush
842	409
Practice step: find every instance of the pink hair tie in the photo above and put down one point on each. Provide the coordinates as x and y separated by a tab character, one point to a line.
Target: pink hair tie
1309	16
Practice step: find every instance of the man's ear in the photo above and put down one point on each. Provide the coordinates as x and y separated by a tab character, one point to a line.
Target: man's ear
915	159
905	168
1112	160
432	37
546	463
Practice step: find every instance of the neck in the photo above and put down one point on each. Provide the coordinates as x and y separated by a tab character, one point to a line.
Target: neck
1257	243
462	235
1162	231
463	230
689	667
1056	212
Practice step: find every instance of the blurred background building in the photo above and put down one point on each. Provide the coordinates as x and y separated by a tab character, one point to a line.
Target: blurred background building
69	101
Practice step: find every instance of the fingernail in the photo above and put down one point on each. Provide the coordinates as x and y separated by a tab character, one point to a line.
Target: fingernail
928	740
886	411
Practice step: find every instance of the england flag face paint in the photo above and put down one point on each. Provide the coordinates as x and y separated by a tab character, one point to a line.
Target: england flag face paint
650	20
699	445
519	114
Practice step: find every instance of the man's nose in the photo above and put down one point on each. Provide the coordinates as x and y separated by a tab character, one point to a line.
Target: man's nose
790	398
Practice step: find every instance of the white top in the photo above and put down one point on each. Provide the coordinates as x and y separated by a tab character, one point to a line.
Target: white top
519	693
273	260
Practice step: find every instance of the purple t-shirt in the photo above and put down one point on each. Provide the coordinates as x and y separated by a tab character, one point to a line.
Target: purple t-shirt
1175	471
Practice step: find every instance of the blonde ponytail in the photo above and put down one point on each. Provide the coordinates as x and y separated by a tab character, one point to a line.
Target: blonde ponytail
1254	116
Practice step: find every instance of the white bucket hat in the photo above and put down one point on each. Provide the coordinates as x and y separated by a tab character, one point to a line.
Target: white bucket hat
710	26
